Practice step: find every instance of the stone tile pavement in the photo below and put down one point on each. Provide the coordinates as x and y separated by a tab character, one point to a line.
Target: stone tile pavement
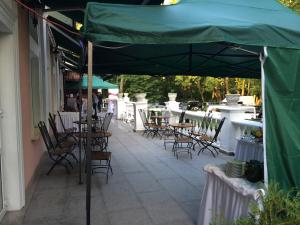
149	187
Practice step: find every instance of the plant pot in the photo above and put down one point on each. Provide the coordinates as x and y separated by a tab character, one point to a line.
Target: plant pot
232	99
140	97
172	96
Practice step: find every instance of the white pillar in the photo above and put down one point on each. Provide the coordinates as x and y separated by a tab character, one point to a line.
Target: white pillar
11	149
121	107
228	135
172	105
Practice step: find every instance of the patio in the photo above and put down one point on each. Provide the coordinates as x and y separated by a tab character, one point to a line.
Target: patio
149	187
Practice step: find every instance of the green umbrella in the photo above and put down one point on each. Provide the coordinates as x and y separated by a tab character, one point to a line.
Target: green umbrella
98	83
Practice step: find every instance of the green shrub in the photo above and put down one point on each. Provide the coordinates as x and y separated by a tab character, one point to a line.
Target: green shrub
279	208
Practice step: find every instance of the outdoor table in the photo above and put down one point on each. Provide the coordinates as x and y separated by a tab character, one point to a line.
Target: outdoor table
84	123
181	125
69	119
249	150
158	119
225	198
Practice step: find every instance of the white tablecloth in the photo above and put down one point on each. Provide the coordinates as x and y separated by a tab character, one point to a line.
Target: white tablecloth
224	198
68	119
246	151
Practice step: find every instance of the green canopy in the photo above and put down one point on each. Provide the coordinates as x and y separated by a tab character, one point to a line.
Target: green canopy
194	37
212	37
98	83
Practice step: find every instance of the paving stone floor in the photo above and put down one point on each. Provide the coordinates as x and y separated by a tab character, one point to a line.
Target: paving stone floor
149	187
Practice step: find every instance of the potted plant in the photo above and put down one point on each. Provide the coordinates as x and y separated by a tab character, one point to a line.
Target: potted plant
278	207
140	97
172	95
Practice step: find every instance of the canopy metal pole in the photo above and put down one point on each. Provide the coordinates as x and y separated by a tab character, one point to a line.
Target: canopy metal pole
79	127
81	64
262	59
89	126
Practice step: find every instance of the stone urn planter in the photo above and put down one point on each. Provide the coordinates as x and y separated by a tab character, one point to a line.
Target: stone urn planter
126	98
232	99
172	96
140	97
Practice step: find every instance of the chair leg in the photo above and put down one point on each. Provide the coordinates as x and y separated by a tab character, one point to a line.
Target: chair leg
72	154
68	161
58	161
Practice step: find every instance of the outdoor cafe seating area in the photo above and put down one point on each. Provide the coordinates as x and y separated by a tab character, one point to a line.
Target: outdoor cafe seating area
62	144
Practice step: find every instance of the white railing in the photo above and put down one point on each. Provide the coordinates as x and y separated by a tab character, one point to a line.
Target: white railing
244	127
241	127
129	112
196	118
235	126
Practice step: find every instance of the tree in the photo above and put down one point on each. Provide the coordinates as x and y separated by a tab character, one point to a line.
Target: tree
293	4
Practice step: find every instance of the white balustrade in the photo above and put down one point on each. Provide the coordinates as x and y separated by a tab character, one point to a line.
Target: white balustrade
236	124
129	112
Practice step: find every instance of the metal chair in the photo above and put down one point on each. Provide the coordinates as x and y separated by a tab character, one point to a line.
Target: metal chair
57	153
103	134
208	142
150	128
101	156
183	142
181	118
203	127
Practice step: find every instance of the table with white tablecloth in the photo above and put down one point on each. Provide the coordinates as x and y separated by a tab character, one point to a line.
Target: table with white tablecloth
68	119
249	150
224	198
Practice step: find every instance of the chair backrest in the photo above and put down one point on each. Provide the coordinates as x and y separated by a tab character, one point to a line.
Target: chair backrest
54	129
61	121
143	117
181	117
218	129
46	137
205	123
106	122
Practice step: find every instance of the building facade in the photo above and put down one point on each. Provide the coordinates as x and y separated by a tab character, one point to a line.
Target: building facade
30	88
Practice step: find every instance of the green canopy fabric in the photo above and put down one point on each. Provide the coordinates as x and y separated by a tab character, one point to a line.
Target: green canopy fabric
194	37
98	83
282	74
256	23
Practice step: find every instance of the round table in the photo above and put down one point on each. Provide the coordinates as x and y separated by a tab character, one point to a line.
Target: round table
249	150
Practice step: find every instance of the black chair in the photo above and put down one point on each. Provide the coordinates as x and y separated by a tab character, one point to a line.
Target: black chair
150	128
103	134
183	142
62	139
57	153
101	156
181	118
209	143
203	127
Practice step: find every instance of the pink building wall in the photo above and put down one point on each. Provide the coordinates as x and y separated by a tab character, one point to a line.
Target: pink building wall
32	150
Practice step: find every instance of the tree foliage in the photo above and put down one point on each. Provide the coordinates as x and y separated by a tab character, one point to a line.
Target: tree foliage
293	4
204	89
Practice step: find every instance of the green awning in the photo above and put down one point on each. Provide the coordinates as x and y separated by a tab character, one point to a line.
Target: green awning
255	23
98	83
194	37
